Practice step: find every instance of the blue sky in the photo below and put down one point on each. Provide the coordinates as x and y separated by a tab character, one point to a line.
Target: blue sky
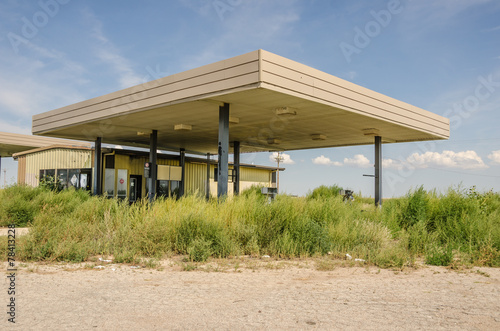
440	55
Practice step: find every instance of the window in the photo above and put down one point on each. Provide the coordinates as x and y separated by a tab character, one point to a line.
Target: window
74	178
62	176
109	182
122	183
65	178
110	161
168	188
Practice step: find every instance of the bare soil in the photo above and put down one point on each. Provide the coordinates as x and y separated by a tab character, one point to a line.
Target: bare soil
251	294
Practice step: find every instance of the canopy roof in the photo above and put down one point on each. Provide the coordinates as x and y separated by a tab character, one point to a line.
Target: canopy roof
11	143
275	104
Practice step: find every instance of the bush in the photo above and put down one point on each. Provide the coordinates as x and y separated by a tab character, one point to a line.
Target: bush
73	226
199	250
440	256
323	192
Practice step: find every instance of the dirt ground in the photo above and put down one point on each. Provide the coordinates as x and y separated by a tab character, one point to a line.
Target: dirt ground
251	294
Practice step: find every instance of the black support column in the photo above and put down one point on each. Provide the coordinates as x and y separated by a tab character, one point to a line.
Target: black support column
223	150
98	166
182	164
153	146
207	183
236	168
378	171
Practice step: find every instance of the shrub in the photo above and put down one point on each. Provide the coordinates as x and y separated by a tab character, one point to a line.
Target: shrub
199	250
324	191
73	226
440	256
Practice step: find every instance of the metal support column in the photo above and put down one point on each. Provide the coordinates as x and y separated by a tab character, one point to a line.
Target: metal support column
378	171
223	150
207	183
153	146
182	164
98	166
236	168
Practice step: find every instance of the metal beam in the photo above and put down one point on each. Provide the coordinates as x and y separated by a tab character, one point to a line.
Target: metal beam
98	166
207	183
153	146
182	164
223	150
378	171
236	168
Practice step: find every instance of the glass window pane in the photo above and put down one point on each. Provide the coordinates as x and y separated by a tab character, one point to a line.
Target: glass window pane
122	184
74	178
174	188
62	175
162	189
109	182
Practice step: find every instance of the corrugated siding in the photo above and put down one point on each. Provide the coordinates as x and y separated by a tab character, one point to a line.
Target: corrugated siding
54	159
196	176
255	175
21	170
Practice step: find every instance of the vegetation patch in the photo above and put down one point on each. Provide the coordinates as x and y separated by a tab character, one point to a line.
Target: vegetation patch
459	227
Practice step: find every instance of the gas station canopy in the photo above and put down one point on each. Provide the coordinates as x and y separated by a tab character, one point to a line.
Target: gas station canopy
275	104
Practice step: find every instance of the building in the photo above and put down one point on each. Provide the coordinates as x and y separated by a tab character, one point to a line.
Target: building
11	143
253	102
124	172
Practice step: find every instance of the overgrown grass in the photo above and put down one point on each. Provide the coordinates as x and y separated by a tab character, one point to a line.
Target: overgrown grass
460	227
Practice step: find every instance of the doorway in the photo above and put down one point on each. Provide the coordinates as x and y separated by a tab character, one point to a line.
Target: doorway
135	188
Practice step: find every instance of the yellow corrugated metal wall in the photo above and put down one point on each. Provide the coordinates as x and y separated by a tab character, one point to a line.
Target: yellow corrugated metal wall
21	169
196	176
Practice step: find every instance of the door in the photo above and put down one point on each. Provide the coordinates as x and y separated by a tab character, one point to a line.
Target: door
135	188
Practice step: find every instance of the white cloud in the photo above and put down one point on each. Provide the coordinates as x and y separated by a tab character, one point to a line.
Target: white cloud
359	160
449	159
286	159
107	53
392	164
322	160
495	157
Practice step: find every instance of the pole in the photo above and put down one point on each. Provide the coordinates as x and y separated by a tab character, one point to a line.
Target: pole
378	171
153	146
223	150
97	166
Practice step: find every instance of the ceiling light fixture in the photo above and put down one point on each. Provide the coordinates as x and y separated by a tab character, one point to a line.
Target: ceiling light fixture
273	141
318	137
371	132
183	127
283	111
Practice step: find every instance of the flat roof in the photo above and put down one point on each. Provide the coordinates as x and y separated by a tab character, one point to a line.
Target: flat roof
317	110
12	143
